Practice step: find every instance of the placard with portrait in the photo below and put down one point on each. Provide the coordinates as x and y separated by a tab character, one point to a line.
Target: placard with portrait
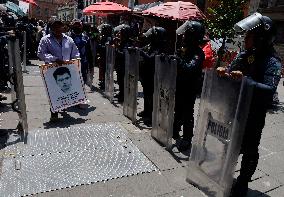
64	84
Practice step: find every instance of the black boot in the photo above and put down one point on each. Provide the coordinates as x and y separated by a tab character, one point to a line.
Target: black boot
185	144
240	188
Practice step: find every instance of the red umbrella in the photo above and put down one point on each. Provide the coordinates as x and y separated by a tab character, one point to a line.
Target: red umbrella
102	8
32	2
176	11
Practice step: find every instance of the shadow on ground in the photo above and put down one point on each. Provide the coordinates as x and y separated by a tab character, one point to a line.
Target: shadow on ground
276	108
9	137
255	193
82	112
5	107
64	122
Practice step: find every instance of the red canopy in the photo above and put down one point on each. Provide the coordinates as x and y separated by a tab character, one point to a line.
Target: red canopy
102	8
176	11
32	2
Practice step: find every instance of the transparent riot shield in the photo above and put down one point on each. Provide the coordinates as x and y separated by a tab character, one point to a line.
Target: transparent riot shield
110	60
132	58
223	111
164	100
18	97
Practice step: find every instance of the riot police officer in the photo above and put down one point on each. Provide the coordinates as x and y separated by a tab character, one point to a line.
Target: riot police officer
189	73
122	35
259	62
106	34
156	37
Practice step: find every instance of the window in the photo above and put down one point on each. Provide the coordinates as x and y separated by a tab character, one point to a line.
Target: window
38	11
46	12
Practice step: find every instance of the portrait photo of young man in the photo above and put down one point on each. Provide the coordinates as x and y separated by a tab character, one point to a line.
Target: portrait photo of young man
63	79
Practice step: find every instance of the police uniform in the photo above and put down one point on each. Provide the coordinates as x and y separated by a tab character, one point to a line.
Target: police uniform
261	63
189	74
122	43
106	31
157	38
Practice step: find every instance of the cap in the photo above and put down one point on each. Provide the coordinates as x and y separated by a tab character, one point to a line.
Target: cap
54	21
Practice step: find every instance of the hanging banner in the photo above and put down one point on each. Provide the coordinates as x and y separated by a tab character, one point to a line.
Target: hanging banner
64	84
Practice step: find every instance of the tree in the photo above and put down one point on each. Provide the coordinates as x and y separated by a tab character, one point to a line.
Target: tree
223	14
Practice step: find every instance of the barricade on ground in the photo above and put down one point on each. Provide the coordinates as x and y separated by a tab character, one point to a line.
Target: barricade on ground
164	100
132	58
109	82
223	111
17	86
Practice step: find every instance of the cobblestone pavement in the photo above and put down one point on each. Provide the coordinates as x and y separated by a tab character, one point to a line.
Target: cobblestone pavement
169	180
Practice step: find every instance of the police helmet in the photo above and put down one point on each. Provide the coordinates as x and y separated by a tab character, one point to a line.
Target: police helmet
193	30
124	29
156	34
9	21
105	29
261	26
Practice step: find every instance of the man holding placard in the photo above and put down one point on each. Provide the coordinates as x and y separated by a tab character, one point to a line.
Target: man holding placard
58	48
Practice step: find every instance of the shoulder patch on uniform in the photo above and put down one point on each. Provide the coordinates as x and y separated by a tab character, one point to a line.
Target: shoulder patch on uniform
250	59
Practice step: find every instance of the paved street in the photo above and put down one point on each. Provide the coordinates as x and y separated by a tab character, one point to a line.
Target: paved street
169	179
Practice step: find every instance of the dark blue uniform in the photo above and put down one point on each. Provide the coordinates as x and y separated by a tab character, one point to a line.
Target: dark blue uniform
265	69
189	74
83	45
147	72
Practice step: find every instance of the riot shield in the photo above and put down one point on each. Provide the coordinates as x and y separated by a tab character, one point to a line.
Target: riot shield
223	111
164	100
18	97
132	58
110	60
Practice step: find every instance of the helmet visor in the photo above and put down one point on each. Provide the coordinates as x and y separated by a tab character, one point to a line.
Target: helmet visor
248	23
183	28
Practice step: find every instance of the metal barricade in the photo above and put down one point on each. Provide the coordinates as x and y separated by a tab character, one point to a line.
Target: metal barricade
132	58
223	111
109	82
24	62
18	95
164	100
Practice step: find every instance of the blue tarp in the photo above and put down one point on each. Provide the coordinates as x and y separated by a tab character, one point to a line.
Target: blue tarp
12	7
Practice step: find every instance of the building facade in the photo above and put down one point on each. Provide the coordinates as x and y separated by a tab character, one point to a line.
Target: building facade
67	12
275	10
89	19
45	9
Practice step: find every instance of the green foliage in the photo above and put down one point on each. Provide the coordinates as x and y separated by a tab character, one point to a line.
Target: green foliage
223	14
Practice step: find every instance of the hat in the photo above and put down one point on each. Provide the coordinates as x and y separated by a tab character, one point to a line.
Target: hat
54	21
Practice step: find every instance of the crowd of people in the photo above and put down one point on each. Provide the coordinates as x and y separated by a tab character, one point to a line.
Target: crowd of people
56	42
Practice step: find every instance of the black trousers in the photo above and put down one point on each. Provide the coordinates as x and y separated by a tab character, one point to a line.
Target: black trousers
184	113
251	141
120	69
